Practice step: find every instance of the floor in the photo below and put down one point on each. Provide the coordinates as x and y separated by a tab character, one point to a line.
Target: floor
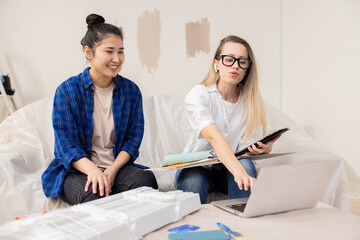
355	203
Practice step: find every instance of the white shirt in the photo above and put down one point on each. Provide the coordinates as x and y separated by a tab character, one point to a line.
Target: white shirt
230	108
203	106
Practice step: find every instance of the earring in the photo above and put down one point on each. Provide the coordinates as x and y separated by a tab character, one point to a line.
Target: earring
215	64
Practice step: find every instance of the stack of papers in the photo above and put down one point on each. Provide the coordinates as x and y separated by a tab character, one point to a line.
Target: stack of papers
194	159
175	161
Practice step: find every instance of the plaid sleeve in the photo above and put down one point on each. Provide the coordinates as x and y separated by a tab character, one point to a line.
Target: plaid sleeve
66	126
135	129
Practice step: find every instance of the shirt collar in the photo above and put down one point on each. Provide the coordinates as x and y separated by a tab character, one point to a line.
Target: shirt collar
87	81
117	81
212	88
86	78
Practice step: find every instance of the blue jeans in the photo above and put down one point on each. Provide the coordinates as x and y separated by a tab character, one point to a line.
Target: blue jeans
128	177
217	178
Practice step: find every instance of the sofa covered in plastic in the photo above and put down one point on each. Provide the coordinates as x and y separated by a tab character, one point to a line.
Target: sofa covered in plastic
27	144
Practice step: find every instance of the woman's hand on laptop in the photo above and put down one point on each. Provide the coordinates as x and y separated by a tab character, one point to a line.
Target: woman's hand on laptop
244	181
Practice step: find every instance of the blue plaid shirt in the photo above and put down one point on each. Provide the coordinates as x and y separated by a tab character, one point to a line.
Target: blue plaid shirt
73	125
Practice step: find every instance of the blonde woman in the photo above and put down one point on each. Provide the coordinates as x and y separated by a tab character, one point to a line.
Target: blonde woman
226	113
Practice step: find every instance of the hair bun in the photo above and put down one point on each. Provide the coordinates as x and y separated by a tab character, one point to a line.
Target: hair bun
94	19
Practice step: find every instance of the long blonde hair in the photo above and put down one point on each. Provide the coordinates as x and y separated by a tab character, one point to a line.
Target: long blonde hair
249	86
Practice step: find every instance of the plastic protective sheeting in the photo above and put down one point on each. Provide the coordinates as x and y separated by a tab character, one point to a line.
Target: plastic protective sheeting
27	144
26	149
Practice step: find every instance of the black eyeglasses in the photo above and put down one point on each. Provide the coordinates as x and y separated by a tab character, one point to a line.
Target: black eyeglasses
228	61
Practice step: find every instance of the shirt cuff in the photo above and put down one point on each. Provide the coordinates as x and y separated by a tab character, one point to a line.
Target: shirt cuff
134	152
201	127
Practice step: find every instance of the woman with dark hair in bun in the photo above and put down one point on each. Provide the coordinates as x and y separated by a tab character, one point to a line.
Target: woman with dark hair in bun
98	124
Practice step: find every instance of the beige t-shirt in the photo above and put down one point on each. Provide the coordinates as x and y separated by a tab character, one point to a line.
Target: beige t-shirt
103	140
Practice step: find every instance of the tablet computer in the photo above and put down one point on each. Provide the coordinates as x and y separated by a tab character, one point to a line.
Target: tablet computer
263	140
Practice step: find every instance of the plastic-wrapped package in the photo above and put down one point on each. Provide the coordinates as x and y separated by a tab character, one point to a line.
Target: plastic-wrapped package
128	215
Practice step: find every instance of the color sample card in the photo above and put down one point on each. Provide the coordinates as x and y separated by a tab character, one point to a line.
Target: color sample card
184	228
199	235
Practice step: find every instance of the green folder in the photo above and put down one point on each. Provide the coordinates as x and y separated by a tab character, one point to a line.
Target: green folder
185	157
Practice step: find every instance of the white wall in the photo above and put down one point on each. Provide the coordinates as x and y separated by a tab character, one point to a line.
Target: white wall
307	51
321	73
40	41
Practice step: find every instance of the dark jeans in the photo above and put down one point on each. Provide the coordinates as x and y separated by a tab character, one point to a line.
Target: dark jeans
204	181
128	177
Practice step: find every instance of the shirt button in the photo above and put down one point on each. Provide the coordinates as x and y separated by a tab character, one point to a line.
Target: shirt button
226	130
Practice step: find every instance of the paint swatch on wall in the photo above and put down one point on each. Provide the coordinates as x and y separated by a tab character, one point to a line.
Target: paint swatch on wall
148	39
197	37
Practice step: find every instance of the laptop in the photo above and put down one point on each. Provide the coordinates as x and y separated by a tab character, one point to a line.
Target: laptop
282	188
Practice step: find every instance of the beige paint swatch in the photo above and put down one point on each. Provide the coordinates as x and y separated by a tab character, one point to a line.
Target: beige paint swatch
148	39
197	37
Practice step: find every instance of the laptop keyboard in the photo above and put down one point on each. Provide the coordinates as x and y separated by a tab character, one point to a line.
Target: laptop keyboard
238	207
